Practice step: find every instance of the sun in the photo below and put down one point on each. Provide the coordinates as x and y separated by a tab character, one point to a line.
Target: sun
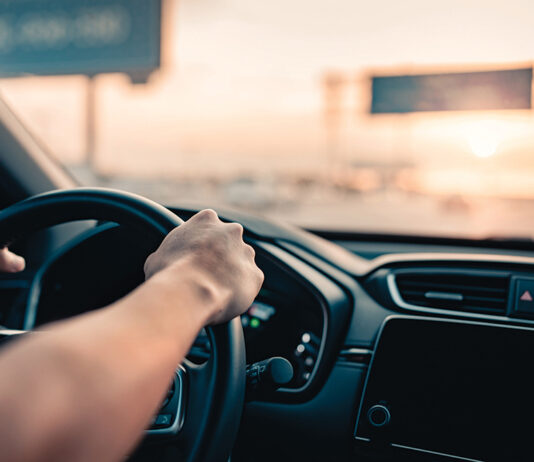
483	146
484	138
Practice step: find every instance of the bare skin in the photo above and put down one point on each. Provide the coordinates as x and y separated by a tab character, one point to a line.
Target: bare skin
68	396
10	263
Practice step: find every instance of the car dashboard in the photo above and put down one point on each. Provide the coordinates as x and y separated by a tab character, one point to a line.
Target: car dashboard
403	355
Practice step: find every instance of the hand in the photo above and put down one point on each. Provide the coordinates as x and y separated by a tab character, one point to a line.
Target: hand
214	252
10	263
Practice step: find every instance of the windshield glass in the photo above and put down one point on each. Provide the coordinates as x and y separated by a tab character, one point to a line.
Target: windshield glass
285	109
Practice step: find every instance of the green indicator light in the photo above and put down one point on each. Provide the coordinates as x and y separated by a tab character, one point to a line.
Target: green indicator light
255	323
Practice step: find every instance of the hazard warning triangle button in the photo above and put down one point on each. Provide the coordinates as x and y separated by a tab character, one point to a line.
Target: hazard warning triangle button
526	297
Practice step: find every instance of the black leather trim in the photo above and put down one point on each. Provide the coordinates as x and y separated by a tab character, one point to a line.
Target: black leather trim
62	206
228	400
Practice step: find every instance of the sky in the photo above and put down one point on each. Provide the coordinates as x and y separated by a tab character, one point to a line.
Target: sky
295	41
240	90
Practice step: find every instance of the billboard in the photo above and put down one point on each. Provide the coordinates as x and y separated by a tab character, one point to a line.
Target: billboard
464	91
51	37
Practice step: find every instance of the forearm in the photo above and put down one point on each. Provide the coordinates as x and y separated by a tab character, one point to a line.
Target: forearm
86	388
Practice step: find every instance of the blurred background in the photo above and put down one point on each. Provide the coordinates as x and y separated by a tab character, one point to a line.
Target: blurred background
286	108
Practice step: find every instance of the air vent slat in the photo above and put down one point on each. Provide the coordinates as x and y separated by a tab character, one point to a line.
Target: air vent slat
438	285
467	299
454	291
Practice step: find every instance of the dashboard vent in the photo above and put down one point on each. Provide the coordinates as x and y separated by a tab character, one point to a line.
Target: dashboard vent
465	292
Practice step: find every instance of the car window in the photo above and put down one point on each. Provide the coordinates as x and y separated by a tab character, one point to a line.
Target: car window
271	107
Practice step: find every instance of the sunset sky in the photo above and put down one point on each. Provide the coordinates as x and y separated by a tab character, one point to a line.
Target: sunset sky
240	91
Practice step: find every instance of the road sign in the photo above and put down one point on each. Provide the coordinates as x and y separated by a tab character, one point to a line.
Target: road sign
51	37
465	91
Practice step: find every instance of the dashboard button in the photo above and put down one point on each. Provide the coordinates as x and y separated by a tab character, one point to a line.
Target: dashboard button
163	420
378	415
524	296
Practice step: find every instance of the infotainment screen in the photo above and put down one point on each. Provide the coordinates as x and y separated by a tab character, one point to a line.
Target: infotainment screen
463	389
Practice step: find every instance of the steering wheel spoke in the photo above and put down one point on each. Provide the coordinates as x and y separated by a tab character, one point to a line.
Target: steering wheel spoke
169	419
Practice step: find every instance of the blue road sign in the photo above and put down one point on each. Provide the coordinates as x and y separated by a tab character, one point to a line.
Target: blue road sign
466	91
50	37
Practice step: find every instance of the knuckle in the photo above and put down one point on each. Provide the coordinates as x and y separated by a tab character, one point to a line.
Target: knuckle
250	250
261	277
235	228
208	215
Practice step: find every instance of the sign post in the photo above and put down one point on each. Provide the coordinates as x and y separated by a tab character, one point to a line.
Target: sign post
90	121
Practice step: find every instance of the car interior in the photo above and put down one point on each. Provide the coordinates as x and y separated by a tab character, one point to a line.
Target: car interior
399	348
360	346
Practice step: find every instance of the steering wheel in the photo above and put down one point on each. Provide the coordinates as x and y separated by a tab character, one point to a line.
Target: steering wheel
211	395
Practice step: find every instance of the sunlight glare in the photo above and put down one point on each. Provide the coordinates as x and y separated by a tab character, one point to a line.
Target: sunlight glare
484	137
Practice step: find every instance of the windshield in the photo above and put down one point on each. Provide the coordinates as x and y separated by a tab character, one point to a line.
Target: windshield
278	107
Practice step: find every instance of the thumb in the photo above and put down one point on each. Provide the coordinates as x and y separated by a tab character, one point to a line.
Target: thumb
9	262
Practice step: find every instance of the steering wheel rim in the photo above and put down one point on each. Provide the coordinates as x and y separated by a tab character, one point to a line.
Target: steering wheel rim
205	437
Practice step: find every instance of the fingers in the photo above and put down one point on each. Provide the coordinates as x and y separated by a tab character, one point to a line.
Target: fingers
235	230
210	216
11	263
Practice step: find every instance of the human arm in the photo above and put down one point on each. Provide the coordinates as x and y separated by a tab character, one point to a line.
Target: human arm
67	394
